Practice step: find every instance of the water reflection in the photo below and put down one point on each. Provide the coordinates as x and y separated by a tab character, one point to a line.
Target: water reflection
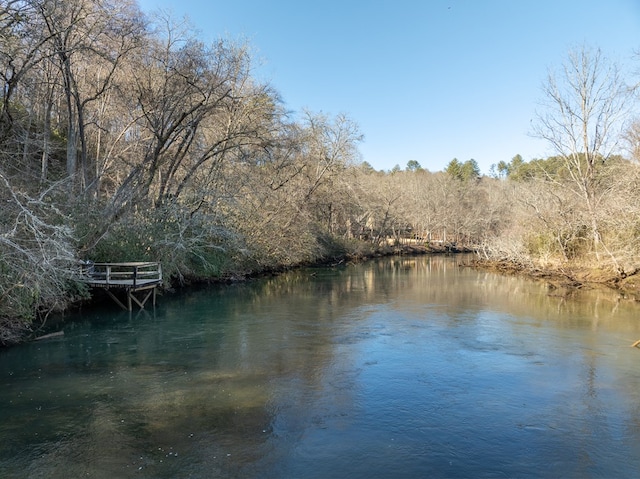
400	367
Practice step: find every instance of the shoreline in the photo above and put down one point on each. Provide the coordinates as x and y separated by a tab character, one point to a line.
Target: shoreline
570	277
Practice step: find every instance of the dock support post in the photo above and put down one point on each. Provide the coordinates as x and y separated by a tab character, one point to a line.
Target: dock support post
118	302
142	302
130	277
131	298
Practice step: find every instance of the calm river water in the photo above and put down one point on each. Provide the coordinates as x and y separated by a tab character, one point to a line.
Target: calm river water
396	368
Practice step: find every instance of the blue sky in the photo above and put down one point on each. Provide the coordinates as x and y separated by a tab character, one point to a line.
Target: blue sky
426	80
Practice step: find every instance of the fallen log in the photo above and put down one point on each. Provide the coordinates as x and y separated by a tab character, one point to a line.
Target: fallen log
54	335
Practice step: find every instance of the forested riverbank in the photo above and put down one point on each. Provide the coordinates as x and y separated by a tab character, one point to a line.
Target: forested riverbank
126	138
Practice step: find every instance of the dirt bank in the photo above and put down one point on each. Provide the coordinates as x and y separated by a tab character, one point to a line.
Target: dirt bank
569	276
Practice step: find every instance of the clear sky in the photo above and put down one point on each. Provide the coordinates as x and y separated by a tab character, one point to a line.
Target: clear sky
426	80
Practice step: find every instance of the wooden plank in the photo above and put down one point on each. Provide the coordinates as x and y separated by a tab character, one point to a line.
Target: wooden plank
126	266
131	276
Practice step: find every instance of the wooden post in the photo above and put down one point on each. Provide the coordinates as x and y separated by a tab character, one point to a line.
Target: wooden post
133	277
118	302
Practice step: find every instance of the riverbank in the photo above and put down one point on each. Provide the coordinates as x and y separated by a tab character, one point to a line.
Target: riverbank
569	276
16	332
561	281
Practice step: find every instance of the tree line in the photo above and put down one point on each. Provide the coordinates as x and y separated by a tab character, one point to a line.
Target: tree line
127	138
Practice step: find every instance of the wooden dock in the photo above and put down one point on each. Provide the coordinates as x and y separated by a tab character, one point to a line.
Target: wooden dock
133	278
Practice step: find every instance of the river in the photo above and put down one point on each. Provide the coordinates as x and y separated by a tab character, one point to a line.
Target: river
405	367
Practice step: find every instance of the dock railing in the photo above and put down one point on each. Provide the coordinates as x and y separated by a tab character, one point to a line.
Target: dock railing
132	275
129	276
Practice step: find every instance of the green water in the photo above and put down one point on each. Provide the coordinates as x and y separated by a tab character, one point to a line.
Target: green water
396	368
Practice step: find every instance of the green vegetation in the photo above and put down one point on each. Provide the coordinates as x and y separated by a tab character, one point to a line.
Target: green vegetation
123	140
467	171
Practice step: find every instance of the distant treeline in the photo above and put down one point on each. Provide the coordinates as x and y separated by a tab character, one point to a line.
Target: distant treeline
127	138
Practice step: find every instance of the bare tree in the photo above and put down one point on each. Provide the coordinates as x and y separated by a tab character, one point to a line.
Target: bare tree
89	40
37	258
586	106
194	106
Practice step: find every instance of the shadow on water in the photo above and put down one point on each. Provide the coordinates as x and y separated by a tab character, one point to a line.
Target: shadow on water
399	367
